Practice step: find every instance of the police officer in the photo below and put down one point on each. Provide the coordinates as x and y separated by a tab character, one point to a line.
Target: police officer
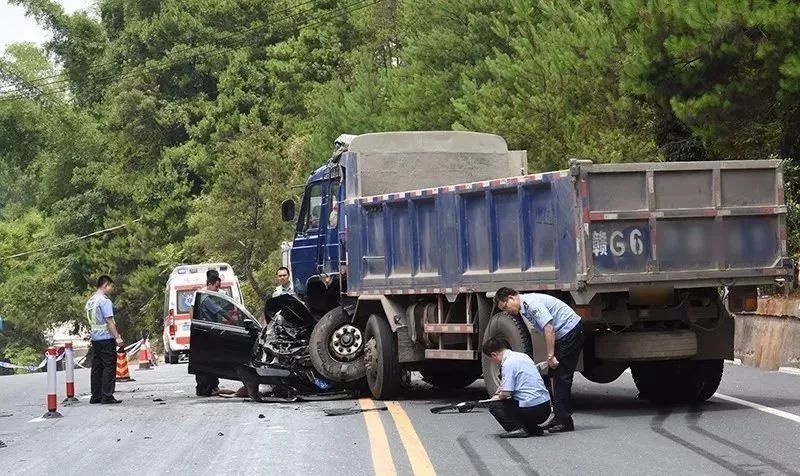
563	336
521	402
105	340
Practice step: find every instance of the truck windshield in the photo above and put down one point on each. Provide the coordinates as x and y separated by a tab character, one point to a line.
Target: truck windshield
312	208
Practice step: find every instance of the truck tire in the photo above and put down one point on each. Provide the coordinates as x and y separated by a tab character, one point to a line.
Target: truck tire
452	377
513	330
690	381
646	346
602	371
333	365
384	375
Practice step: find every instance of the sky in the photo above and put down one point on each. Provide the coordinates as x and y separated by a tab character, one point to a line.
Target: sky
16	27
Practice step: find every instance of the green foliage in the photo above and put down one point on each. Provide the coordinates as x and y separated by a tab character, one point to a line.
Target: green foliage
189	121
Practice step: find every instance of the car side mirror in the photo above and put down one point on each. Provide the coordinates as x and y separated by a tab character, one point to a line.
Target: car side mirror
287	210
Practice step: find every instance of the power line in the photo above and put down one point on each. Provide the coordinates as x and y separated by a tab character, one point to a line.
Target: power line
73	240
323	18
112	63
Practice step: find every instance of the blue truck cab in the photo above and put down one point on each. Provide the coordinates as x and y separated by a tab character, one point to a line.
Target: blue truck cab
402	238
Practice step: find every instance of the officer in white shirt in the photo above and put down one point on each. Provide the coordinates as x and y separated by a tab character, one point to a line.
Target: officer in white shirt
563	336
521	402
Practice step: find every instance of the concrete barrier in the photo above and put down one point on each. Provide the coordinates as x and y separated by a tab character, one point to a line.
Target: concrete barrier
770	338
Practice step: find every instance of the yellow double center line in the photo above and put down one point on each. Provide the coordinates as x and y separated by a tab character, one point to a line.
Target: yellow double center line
382	459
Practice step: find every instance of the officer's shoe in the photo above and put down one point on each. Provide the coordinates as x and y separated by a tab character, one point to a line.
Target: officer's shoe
562	427
110	401
518	433
536	431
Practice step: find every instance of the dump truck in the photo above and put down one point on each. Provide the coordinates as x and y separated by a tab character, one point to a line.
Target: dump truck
402	239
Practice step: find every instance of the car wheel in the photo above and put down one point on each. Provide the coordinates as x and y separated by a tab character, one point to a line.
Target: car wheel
384	375
173	356
337	348
512	330
253	392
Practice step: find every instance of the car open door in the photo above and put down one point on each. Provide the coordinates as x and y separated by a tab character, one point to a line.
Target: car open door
223	334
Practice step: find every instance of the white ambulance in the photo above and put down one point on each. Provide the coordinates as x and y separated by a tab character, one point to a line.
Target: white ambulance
183	282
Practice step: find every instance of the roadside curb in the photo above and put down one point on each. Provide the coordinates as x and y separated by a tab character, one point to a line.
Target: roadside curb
734	361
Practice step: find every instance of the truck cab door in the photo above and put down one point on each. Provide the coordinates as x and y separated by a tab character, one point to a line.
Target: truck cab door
223	335
310	231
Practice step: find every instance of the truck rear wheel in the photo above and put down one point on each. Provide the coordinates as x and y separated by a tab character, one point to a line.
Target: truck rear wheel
384	375
511	329
689	381
452	377
337	348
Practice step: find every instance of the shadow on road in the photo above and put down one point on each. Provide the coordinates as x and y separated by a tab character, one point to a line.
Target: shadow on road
692	417
693	422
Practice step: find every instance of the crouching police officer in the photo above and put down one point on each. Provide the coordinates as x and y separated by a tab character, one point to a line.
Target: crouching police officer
521	402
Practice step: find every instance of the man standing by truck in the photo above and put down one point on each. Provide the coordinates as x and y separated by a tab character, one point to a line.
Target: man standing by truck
284	282
105	340
563	336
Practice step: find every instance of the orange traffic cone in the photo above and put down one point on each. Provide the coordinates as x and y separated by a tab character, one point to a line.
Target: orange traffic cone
123	375
144	357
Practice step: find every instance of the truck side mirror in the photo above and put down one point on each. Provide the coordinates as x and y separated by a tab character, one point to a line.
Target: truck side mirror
287	210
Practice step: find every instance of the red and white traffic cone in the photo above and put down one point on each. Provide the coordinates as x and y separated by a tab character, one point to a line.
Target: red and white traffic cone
69	367
144	356
52	384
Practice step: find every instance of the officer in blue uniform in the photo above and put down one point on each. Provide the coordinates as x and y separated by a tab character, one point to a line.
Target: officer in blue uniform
521	402
105	340
563	336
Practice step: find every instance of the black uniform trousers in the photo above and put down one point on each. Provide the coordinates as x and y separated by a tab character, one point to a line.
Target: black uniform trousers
104	368
206	385
513	417
567	351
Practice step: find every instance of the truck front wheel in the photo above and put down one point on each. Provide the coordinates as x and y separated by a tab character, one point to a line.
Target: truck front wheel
384	375
689	381
337	348
511	329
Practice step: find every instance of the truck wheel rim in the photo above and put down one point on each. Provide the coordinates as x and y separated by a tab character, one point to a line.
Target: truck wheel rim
346	342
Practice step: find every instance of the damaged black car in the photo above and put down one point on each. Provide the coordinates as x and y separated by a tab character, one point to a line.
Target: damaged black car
271	357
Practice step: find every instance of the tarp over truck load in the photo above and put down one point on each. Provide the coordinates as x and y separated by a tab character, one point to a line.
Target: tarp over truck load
394	161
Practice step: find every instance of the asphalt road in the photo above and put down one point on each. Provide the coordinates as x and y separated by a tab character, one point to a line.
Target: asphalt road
184	434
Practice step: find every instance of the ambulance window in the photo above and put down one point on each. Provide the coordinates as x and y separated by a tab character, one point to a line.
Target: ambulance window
185	298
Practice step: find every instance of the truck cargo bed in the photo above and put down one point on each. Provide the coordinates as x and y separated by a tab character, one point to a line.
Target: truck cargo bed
587	229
